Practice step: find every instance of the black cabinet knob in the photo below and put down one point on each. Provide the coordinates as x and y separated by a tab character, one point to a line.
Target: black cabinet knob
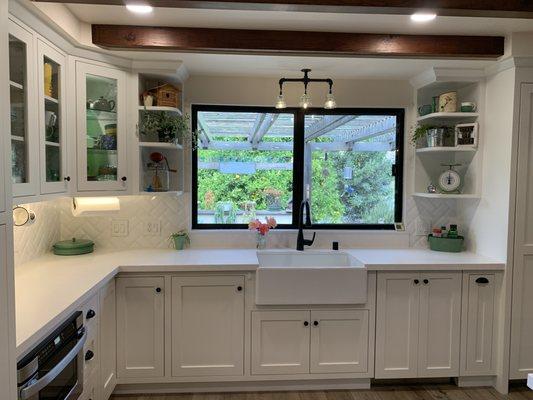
158	290
416	281
315	323
67	178
482	280
425	281
306	323
89	355
90	314
124	179
239	288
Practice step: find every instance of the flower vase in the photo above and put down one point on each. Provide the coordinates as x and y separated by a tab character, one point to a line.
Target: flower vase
261	241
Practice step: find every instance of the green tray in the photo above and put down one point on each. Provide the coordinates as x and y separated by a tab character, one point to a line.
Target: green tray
450	245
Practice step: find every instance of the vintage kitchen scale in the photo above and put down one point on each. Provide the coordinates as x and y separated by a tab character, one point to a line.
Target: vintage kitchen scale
450	181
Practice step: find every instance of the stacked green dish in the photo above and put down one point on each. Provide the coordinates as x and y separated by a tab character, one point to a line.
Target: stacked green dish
448	244
73	247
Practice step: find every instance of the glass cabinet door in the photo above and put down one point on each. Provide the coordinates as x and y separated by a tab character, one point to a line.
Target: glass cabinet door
52	119
101	139
23	158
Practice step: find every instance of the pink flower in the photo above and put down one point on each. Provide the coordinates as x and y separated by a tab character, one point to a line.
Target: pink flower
254	224
271	222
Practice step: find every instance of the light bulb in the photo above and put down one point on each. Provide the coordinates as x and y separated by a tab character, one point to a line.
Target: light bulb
423	17
330	102
305	101
139	8
280	102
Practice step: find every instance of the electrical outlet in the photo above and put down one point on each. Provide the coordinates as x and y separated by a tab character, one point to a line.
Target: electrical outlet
119	227
422	228
152	228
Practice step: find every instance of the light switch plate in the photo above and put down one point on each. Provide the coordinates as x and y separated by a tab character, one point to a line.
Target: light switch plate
152	228
119	227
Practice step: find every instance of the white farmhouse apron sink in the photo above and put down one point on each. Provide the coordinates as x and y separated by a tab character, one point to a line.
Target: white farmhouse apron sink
309	277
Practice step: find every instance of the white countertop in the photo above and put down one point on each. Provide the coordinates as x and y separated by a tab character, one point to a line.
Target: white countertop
51	287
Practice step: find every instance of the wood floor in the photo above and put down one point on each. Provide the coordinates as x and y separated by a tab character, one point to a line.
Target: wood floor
415	392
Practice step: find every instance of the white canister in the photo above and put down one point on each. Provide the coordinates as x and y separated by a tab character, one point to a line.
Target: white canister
448	102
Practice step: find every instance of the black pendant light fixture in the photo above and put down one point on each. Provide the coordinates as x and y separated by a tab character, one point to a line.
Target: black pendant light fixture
305	99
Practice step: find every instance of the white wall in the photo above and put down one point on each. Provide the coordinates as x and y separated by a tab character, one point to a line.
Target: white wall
488	218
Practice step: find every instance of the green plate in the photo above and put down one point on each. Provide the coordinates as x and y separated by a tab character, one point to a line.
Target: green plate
73	247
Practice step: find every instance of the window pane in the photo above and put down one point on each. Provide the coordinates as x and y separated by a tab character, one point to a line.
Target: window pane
245	164
349	161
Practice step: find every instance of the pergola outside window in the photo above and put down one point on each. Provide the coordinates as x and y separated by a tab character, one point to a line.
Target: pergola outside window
257	162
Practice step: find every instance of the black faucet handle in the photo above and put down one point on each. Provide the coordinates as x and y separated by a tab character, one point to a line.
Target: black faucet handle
308	242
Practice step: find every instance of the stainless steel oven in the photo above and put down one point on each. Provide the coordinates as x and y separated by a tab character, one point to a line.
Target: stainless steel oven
53	370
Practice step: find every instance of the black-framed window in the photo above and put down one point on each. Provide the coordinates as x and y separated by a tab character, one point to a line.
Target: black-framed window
258	162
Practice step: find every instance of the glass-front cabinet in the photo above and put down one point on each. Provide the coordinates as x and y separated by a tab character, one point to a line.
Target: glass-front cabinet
24	141
51	83
102	164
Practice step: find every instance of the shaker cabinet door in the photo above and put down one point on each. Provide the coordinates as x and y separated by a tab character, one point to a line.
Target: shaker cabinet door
207	326
440	320
280	342
140	327
339	341
397	325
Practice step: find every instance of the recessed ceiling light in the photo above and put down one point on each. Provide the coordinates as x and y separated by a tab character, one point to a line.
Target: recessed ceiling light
423	17
139	8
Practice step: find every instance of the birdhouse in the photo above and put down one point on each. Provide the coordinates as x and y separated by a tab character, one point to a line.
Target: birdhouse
167	95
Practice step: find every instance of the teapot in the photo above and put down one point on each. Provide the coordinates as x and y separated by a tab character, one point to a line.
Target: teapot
101	104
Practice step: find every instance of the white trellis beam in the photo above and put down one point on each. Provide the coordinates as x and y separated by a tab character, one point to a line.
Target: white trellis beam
204	131
264	146
263	128
376	128
326	124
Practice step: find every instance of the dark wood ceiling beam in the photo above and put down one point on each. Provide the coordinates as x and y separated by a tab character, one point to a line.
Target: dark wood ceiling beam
472	8
294	42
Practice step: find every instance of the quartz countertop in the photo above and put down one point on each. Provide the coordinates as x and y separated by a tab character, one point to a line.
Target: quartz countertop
50	288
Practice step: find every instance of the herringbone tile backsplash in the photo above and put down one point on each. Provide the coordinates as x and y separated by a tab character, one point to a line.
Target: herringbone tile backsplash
55	222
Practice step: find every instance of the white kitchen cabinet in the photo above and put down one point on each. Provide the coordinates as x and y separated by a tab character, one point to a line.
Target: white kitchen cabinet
23	109
478	323
397	324
418	319
101	127
52	118
439	324
280	342
522	316
207	325
339	341
108	340
140	327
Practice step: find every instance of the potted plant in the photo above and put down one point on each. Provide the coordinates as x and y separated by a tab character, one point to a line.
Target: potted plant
180	238
164	127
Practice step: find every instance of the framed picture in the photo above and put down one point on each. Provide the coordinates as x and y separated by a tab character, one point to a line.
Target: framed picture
466	135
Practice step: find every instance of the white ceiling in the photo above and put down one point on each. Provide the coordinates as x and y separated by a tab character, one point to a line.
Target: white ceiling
334	22
275	66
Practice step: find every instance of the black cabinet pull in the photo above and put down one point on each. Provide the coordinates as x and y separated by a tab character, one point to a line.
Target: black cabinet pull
158	290
306	323
89	355
124	179
67	178
315	323
482	280
90	314
425	281
239	288
416	281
